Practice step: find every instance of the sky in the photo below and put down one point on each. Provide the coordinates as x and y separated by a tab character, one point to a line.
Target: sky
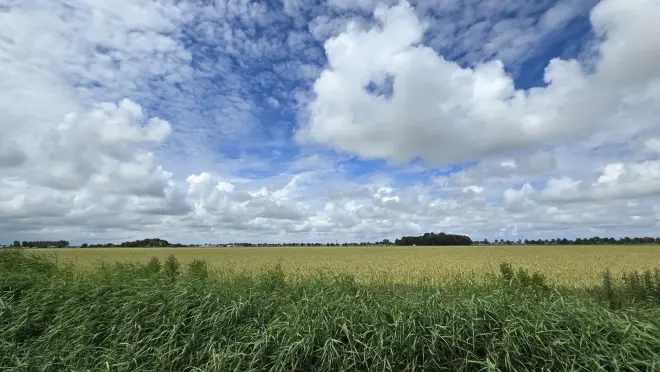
305	121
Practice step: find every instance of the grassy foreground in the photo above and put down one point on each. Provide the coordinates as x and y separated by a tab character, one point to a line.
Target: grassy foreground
160	316
565	265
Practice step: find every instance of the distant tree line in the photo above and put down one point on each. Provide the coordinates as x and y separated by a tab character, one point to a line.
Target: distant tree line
41	244
429	239
383	242
151	243
578	241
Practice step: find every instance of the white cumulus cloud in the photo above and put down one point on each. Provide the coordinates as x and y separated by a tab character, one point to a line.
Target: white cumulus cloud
443	113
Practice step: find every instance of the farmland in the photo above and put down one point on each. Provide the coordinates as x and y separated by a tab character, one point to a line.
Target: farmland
139	312
566	265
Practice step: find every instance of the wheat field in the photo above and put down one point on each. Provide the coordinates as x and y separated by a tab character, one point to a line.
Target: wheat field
564	265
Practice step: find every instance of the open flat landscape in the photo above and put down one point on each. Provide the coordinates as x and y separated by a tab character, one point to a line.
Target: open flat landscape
173	175
170	315
573	265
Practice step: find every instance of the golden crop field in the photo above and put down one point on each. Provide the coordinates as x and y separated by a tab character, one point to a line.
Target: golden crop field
569	265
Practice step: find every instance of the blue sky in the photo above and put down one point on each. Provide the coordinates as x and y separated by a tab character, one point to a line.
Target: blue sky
270	75
302	121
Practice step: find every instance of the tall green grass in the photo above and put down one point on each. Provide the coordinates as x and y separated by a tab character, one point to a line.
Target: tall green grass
160	316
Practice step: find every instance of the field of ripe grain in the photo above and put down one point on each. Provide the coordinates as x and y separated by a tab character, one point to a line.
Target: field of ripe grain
566	265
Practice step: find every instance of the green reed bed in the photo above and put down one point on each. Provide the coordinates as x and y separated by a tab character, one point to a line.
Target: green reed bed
160	316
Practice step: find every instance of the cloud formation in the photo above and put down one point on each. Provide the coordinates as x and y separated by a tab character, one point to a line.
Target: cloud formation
426	107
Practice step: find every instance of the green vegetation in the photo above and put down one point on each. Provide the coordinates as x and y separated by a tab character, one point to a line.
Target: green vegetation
41	244
165	316
433	239
149	243
428	239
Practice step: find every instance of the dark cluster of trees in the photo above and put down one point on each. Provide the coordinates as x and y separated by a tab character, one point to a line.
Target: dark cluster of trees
41	244
435	239
153	242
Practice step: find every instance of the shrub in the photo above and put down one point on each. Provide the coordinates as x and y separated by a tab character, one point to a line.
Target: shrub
633	289
172	266
521	277
198	269
153	266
